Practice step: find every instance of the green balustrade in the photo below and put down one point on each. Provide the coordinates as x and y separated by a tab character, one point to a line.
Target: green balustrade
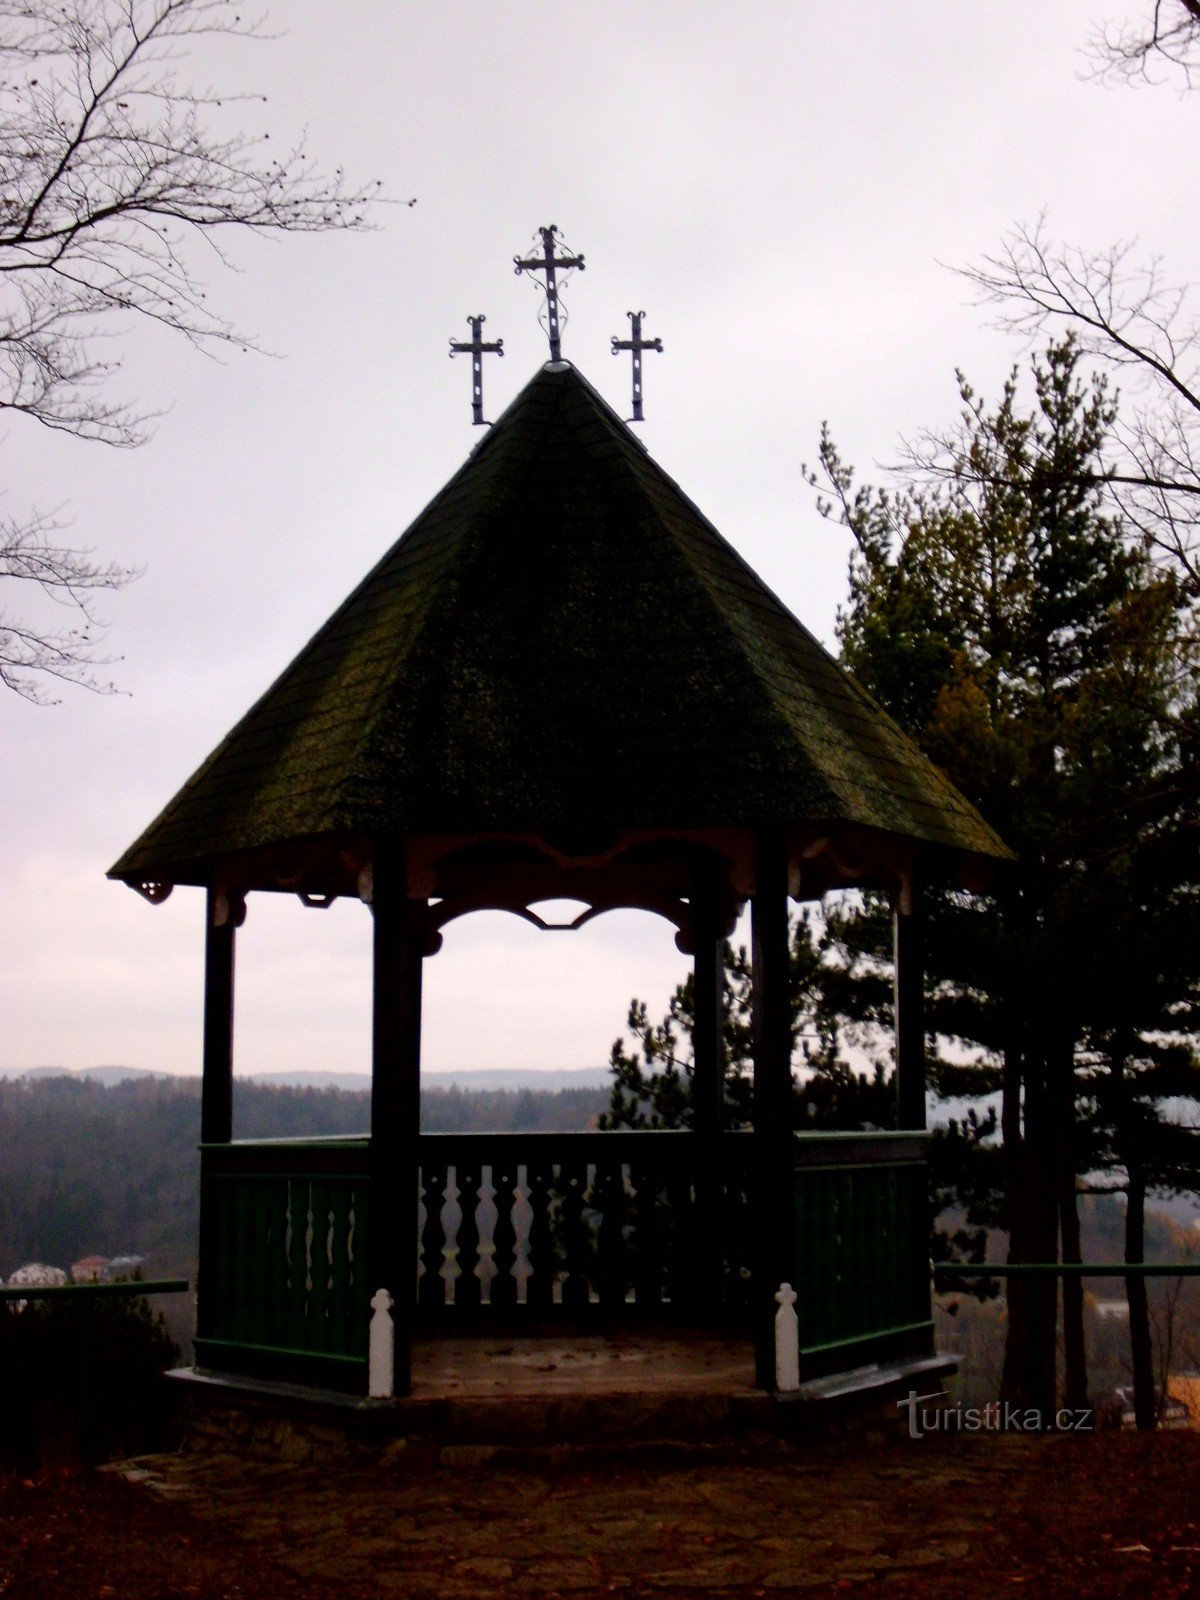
283	1290
581	1228
862	1250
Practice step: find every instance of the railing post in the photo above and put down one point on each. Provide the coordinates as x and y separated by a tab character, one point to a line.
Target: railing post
381	1349
787	1341
775	1200
398	953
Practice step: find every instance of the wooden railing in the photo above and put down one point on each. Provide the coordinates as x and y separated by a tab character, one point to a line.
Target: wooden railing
583	1226
282	1285
862	1250
522	1230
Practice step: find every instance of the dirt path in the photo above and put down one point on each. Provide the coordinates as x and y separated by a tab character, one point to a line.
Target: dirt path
1105	1516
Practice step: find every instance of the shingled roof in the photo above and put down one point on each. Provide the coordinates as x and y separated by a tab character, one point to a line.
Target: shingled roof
560	640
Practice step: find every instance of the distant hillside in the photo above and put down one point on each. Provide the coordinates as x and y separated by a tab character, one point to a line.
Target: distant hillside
475	1078
88	1167
112	1169
479	1078
104	1075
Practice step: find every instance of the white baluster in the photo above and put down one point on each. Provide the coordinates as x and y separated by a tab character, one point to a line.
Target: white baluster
787	1341
381	1363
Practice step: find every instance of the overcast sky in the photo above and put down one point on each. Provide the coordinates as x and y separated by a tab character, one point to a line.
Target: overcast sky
781	186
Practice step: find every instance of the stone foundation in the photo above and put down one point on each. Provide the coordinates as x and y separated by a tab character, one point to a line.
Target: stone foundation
294	1426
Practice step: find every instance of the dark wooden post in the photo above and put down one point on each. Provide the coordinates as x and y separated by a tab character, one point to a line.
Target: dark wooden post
395	1097
708	989
774	1219
908	928
223	912
216	1086
708	1086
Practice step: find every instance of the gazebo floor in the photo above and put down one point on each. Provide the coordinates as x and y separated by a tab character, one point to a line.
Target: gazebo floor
628	1362
605	1391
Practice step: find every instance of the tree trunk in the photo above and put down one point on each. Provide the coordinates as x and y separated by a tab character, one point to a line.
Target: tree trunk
1075	1349
1030	1197
1144	1410
1012	1384
1030	1347
1075	1346
1016	1290
1042	1242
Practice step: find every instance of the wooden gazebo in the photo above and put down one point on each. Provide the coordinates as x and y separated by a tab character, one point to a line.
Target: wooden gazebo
561	683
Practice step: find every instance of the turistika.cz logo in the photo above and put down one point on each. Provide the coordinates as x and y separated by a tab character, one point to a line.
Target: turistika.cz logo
1001	1416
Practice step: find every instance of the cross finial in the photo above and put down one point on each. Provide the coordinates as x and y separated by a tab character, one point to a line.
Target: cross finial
636	344
548	263
477	350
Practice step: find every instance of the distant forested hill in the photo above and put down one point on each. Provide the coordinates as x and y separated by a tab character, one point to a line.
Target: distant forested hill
88	1168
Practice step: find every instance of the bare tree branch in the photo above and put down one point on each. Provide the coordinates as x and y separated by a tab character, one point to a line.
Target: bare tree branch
115	171
31	553
1164	45
1126	317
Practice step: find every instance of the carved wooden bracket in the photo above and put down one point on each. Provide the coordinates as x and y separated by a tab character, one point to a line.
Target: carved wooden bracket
674	908
156	893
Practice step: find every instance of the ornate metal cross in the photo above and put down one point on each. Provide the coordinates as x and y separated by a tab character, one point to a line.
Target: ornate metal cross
636	344
548	263
477	349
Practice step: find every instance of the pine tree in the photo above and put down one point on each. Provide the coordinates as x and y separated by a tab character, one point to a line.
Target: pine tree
652	1069
841	1006
1037	654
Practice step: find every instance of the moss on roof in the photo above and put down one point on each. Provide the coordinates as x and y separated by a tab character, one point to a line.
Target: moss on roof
559	639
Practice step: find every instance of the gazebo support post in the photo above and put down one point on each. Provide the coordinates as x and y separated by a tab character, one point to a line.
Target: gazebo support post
708	1088
216	1084
395	1097
908	929
774	1212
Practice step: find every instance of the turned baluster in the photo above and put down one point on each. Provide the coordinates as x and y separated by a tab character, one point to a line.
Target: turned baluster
467	1286
543	1259
611	1271
572	1186
431	1291
504	1237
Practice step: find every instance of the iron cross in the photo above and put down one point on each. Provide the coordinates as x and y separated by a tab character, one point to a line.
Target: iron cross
548	263
477	349
636	344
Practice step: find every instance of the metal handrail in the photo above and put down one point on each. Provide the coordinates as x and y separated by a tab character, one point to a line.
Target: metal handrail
1066	1269
130	1286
